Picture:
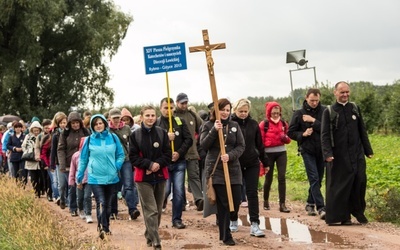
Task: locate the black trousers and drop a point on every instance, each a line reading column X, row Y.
column 224, row 215
column 280, row 158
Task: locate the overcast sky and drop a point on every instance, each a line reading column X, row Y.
column 357, row 40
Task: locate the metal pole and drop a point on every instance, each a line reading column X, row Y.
column 291, row 85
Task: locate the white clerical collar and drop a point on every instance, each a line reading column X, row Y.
column 344, row 104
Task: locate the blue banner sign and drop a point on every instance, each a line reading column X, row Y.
column 163, row 58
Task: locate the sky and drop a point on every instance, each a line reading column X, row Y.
column 357, row 40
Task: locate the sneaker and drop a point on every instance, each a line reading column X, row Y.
column 82, row 214
column 244, row 204
column 322, row 213
column 255, row 230
column 310, row 209
column 89, row 219
column 234, row 226
column 58, row 201
column 134, row 214
column 119, row 195
column 74, row 213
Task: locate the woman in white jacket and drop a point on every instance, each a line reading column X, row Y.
column 33, row 166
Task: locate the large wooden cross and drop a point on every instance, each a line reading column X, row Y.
column 208, row 48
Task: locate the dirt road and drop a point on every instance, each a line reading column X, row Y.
column 294, row 230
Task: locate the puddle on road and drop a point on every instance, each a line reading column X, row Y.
column 295, row 231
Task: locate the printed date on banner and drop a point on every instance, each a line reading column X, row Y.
column 165, row 58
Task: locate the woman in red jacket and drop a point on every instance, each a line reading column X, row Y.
column 274, row 136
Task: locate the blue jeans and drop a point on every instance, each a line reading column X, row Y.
column 129, row 191
column 67, row 193
column 54, row 182
column 177, row 181
column 315, row 173
column 84, row 199
column 103, row 195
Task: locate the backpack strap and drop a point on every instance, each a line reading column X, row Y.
column 332, row 116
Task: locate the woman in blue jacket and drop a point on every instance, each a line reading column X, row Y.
column 103, row 155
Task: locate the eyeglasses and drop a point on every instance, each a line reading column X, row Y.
column 275, row 113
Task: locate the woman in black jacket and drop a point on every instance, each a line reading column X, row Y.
column 250, row 162
column 234, row 146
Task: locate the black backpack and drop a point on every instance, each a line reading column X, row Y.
column 266, row 125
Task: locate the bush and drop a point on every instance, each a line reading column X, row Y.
column 384, row 207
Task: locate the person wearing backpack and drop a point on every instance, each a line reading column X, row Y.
column 150, row 154
column 345, row 145
column 305, row 128
column 182, row 140
column 103, row 155
column 194, row 122
column 274, row 135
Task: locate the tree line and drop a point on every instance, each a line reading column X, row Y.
column 53, row 57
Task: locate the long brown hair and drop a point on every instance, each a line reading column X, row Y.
column 221, row 104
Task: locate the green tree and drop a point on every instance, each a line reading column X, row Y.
column 364, row 95
column 394, row 110
column 52, row 54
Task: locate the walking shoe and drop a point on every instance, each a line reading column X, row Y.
column 283, row 208
column 102, row 234
column 119, row 195
column 255, row 230
column 157, row 247
column 244, row 204
column 200, row 205
column 82, row 214
column 89, row 219
column 361, row 218
column 311, row 210
column 74, row 213
column 149, row 243
column 229, row 242
column 134, row 214
column 322, row 213
column 266, row 205
column 178, row 225
column 58, row 201
column 49, row 198
column 62, row 205
column 234, row 226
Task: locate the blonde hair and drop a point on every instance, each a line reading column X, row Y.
column 241, row 103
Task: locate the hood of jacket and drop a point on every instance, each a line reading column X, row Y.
column 268, row 108
column 126, row 112
column 74, row 116
column 106, row 126
column 35, row 124
column 35, row 118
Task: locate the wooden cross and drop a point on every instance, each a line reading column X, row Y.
column 208, row 48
